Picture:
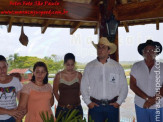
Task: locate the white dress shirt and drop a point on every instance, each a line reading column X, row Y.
column 104, row 81
column 147, row 81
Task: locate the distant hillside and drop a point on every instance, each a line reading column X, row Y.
column 127, row 62
column 161, row 60
column 132, row 62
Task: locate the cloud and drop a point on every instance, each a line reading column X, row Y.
column 59, row 41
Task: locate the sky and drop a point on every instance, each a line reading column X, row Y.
column 58, row 41
column 128, row 42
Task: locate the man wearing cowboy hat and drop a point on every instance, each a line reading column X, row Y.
column 104, row 86
column 146, row 81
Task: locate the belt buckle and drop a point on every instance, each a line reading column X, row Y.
column 104, row 102
column 69, row 106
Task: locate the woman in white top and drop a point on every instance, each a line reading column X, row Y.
column 9, row 90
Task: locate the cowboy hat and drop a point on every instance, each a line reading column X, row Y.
column 150, row 43
column 106, row 42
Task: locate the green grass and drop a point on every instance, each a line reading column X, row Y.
column 51, row 82
column 128, row 81
column 25, row 82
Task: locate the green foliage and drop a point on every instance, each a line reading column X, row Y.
column 16, row 61
column 51, row 82
column 127, row 66
column 90, row 119
column 71, row 116
column 128, row 81
column 45, row 117
column 80, row 65
column 53, row 63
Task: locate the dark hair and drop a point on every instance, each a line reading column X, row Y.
column 2, row 58
column 40, row 64
column 69, row 56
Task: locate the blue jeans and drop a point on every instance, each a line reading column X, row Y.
column 148, row 115
column 102, row 113
column 12, row 119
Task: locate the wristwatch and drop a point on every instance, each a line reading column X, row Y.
column 146, row 98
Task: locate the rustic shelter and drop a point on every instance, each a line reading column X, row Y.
column 76, row 14
column 26, row 74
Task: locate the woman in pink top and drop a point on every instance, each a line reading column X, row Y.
column 37, row 95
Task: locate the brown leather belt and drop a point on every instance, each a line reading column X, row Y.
column 69, row 106
column 104, row 101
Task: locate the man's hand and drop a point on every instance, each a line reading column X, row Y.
column 147, row 104
column 151, row 101
column 116, row 105
column 92, row 105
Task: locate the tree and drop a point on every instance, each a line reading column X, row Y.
column 15, row 56
column 54, row 57
column 17, row 61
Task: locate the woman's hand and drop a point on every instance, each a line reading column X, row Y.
column 15, row 113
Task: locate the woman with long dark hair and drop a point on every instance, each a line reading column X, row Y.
column 66, row 87
column 37, row 95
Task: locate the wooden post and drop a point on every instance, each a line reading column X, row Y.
column 103, row 16
column 115, row 56
column 105, row 12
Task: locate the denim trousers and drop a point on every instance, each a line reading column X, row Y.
column 11, row 119
column 148, row 115
column 102, row 113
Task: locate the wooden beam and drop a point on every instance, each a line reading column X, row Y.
column 142, row 22
column 95, row 2
column 75, row 26
column 135, row 0
column 111, row 5
column 63, row 23
column 9, row 26
column 118, row 2
column 43, row 29
column 124, row 1
column 97, row 28
column 65, row 11
column 126, row 26
column 139, row 10
column 157, row 24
